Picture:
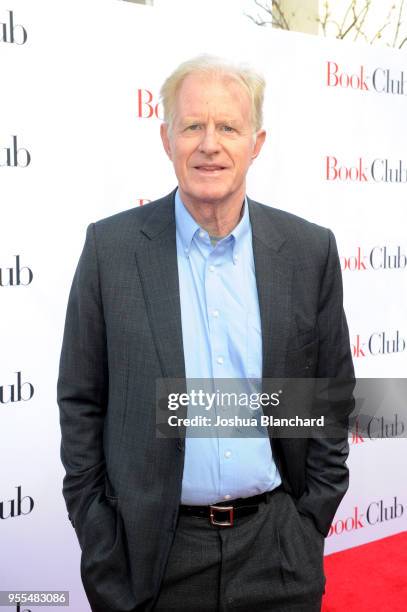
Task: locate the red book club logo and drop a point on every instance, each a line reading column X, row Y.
column 380, row 257
column 15, row 275
column 148, row 106
column 361, row 170
column 377, row 512
column 17, row 506
column 379, row 343
column 14, row 156
column 11, row 32
column 380, row 79
column 18, row 391
column 378, row 428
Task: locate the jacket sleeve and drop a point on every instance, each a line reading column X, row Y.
column 82, row 389
column 327, row 476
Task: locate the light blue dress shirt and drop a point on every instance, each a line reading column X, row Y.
column 221, row 339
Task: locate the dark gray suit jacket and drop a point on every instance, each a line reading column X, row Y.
column 123, row 331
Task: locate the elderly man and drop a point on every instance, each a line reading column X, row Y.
column 203, row 283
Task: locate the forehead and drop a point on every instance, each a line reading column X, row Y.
column 201, row 93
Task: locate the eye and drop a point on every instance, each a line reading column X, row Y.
column 227, row 128
column 194, row 127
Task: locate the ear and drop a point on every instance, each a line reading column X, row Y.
column 164, row 128
column 258, row 143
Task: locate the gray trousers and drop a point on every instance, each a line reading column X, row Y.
column 271, row 560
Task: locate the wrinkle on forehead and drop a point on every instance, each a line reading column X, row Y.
column 202, row 95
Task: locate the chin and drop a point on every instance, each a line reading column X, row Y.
column 208, row 195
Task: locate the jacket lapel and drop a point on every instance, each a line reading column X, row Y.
column 274, row 279
column 156, row 256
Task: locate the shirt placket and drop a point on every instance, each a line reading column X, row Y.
column 216, row 265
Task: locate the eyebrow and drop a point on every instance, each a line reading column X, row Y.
column 192, row 120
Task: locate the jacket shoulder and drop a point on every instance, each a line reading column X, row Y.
column 287, row 221
column 134, row 217
column 296, row 235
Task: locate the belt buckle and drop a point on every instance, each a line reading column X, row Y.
column 213, row 509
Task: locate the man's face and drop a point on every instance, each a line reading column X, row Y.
column 211, row 142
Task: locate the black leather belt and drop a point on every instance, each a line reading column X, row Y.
column 223, row 514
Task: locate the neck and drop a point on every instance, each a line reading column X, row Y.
column 218, row 218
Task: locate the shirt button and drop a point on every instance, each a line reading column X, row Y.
column 227, row 496
column 215, row 313
column 220, row 360
column 228, row 454
column 211, row 268
column 202, row 234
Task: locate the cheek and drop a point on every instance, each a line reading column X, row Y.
column 181, row 156
column 243, row 161
column 242, row 156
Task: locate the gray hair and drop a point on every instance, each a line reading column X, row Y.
column 210, row 65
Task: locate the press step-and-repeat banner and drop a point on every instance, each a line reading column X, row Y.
column 79, row 140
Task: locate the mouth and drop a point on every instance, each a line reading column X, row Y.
column 210, row 169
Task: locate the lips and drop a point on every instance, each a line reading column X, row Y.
column 206, row 168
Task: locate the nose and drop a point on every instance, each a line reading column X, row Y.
column 209, row 144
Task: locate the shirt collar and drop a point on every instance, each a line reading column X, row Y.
column 243, row 227
column 185, row 223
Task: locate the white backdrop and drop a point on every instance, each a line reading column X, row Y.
column 72, row 77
